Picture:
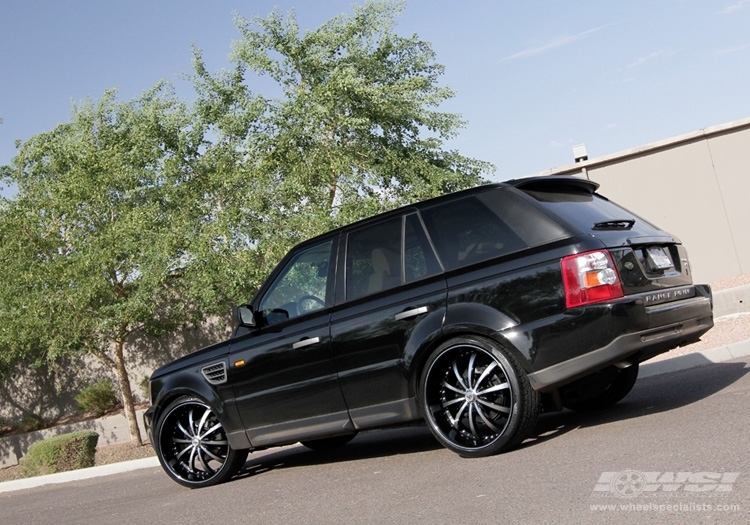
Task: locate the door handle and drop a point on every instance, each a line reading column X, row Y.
column 306, row 342
column 411, row 313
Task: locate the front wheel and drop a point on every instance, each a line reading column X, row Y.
column 476, row 398
column 193, row 447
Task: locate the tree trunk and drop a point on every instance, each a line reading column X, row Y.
column 127, row 395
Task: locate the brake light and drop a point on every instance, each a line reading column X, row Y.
column 590, row 278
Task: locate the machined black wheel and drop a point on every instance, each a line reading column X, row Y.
column 193, row 447
column 476, row 398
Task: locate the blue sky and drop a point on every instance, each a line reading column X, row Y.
column 533, row 78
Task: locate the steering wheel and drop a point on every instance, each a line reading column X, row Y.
column 310, row 303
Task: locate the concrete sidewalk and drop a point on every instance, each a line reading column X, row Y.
column 683, row 362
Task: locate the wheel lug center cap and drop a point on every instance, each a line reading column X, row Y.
column 470, row 396
column 196, row 441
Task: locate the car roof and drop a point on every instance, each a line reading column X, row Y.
column 546, row 183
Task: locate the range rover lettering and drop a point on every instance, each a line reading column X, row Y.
column 472, row 311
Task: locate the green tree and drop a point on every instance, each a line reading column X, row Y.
column 146, row 215
column 350, row 127
column 91, row 244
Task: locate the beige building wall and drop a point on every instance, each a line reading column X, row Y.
column 696, row 186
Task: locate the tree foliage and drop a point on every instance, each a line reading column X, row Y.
column 90, row 243
column 351, row 127
column 142, row 216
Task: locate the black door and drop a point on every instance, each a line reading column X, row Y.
column 394, row 300
column 284, row 377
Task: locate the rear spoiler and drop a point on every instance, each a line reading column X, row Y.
column 554, row 181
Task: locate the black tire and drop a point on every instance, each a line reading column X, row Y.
column 192, row 445
column 330, row 443
column 603, row 390
column 476, row 398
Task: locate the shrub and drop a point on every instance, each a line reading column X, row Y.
column 144, row 387
column 98, row 398
column 60, row 453
column 30, row 423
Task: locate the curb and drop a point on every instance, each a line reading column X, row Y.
column 80, row 474
column 111, row 429
column 696, row 359
column 683, row 362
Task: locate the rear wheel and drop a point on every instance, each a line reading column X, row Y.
column 193, row 447
column 476, row 398
column 601, row 390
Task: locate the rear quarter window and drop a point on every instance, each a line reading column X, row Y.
column 590, row 212
column 486, row 225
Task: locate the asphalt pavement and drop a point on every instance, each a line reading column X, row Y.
column 649, row 369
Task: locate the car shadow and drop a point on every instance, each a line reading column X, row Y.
column 367, row 445
column 650, row 395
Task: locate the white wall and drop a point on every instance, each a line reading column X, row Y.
column 696, row 186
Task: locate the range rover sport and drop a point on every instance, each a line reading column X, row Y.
column 472, row 311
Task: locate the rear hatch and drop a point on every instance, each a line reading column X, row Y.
column 647, row 258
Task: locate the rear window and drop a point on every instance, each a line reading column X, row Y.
column 490, row 224
column 591, row 212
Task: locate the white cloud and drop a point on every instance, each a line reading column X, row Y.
column 730, row 50
column 651, row 56
column 742, row 4
column 553, row 44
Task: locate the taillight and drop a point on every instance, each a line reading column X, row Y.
column 590, row 278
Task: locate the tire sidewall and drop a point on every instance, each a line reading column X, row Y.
column 510, row 369
column 226, row 471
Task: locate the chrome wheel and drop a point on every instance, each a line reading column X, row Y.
column 476, row 400
column 193, row 447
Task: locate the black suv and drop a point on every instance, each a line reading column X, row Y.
column 473, row 311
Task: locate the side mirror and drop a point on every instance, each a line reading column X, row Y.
column 245, row 315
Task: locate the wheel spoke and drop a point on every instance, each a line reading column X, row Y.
column 471, row 421
column 185, row 432
column 182, row 452
column 454, row 401
column 458, row 376
column 453, row 388
column 211, row 430
column 203, row 420
column 461, row 410
column 191, row 424
column 191, row 460
column 211, row 455
column 493, row 406
column 219, row 443
column 485, row 374
column 486, row 420
column 470, row 370
column 503, row 386
column 202, row 463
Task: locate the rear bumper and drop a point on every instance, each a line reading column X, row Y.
column 663, row 327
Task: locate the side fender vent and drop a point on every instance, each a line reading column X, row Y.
column 216, row 373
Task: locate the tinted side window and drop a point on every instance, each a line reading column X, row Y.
column 419, row 258
column 490, row 224
column 301, row 287
column 373, row 259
